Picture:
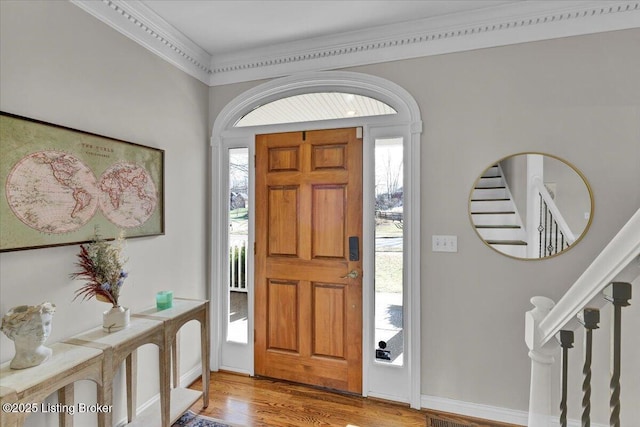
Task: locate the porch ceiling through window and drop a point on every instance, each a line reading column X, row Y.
column 310, row 107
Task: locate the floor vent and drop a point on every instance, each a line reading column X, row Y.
column 435, row 422
column 444, row 419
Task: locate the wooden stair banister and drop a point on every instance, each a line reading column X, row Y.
column 618, row 261
column 608, row 278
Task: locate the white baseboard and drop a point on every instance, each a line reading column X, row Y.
column 485, row 412
column 185, row 381
column 476, row 410
column 189, row 377
column 235, row 370
column 389, row 397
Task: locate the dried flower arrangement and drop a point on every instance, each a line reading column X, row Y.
column 101, row 265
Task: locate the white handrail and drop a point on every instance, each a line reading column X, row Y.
column 619, row 261
column 620, row 255
column 557, row 216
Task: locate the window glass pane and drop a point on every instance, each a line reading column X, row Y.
column 310, row 107
column 237, row 327
column 389, row 247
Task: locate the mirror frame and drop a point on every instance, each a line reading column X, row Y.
column 570, row 165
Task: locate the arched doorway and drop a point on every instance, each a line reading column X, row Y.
column 399, row 381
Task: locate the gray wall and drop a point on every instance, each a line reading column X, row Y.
column 571, row 195
column 577, row 98
column 515, row 174
column 61, row 65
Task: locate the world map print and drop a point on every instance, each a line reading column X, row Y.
column 54, row 192
column 127, row 195
column 60, row 186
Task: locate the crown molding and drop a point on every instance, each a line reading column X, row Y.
column 498, row 26
column 141, row 24
column 520, row 22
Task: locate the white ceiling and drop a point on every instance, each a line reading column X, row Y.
column 221, row 27
column 310, row 107
column 221, row 42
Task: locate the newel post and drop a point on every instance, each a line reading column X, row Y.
column 541, row 363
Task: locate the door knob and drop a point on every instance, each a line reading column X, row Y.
column 353, row 274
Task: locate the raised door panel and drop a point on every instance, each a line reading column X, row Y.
column 329, row 157
column 329, row 320
column 284, row 159
column 283, row 221
column 283, row 315
column 328, row 231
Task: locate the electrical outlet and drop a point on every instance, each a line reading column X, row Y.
column 444, row 243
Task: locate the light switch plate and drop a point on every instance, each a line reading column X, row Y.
column 444, row 243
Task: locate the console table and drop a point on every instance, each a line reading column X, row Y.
column 123, row 344
column 184, row 310
column 96, row 355
column 26, row 389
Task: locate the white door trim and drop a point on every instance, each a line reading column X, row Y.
column 408, row 118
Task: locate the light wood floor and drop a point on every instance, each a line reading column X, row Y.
column 263, row 402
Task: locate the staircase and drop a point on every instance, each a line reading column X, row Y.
column 550, row 328
column 495, row 216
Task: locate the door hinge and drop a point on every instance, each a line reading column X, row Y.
column 254, row 248
column 359, row 132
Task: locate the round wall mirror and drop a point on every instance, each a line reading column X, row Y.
column 531, row 206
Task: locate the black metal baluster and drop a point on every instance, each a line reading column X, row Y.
column 540, row 229
column 552, row 222
column 619, row 294
column 555, row 242
column 546, row 227
column 565, row 338
column 589, row 317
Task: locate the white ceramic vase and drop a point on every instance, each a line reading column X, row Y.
column 115, row 319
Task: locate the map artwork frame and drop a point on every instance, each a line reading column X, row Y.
column 60, row 185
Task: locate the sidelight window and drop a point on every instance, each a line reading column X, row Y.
column 238, row 219
column 389, row 251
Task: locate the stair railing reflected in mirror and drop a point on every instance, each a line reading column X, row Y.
column 531, row 206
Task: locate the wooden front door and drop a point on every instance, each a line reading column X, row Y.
column 308, row 311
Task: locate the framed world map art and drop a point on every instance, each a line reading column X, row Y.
column 59, row 184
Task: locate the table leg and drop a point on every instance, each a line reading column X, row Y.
column 9, row 419
column 132, row 384
column 175, row 360
column 105, row 397
column 65, row 399
column 165, row 383
column 204, row 349
column 100, row 396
